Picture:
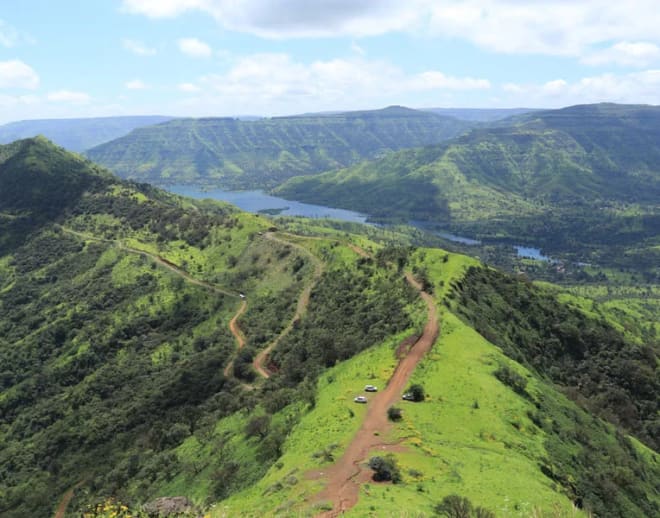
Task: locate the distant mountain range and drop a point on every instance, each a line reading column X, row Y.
column 480, row 114
column 77, row 134
column 557, row 177
column 265, row 152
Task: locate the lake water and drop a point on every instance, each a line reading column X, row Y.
column 526, row 252
column 531, row 253
column 258, row 201
column 458, row 239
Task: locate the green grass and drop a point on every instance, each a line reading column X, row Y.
column 631, row 309
column 336, row 416
column 443, row 267
column 489, row 454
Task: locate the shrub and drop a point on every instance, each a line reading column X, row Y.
column 394, row 413
column 455, row 506
column 417, row 392
column 258, row 426
column 511, row 379
column 385, row 468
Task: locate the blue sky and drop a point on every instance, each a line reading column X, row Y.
column 75, row 58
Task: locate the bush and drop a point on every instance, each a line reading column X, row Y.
column 385, row 468
column 394, row 413
column 258, row 426
column 455, row 506
column 417, row 392
column 511, row 379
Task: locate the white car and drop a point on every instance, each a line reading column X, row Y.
column 370, row 388
column 360, row 399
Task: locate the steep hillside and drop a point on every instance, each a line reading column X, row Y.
column 571, row 179
column 77, row 134
column 491, row 433
column 265, row 152
column 132, row 327
column 122, row 333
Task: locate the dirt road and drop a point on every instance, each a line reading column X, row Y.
column 233, row 324
column 64, row 503
column 238, row 336
column 259, row 362
column 345, row 476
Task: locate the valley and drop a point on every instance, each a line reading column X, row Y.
column 376, row 260
column 206, row 352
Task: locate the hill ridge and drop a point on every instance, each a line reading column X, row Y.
column 264, row 152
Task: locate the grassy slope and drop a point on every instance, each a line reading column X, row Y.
column 224, row 459
column 488, row 454
column 219, row 451
column 454, row 447
column 474, row 436
column 109, row 335
column 128, row 354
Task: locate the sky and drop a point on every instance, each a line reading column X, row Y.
column 81, row 58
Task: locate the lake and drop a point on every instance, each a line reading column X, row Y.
column 260, row 202
column 531, row 253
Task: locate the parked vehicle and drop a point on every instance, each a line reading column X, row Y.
column 370, row 388
column 360, row 399
column 408, row 397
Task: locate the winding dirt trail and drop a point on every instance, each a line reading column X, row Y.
column 346, row 475
column 161, row 261
column 64, row 503
column 259, row 362
column 238, row 336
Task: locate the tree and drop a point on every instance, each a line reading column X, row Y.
column 385, row 468
column 455, row 506
column 258, row 426
column 394, row 413
column 417, row 392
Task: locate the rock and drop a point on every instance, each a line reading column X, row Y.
column 169, row 506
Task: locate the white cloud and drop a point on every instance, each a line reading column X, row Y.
column 554, row 27
column 68, row 96
column 162, row 8
column 438, row 80
column 137, row 47
column 551, row 27
column 276, row 84
column 625, row 53
column 636, row 87
column 16, row 74
column 135, row 84
column 194, row 48
column 292, row 18
column 189, row 88
column 11, row 101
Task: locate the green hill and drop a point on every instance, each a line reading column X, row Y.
column 565, row 180
column 263, row 153
column 480, row 114
column 130, row 326
column 77, row 134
